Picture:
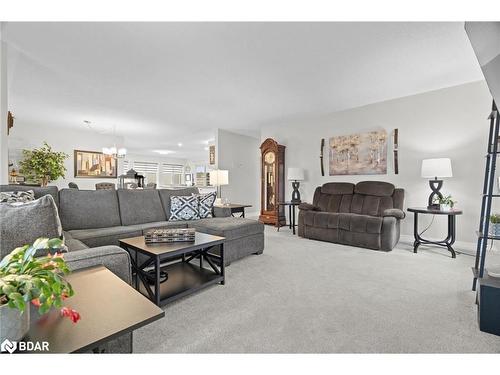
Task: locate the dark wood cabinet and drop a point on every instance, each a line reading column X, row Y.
column 272, row 182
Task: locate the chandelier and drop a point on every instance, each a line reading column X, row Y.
column 113, row 150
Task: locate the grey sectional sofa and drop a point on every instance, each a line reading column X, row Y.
column 92, row 218
column 93, row 222
column 367, row 214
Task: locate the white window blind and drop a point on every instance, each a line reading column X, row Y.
column 171, row 174
column 148, row 169
column 143, row 167
column 172, row 168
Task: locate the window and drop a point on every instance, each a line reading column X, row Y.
column 126, row 166
column 147, row 169
column 171, row 174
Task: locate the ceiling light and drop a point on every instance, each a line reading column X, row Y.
column 179, row 144
column 113, row 151
column 164, row 152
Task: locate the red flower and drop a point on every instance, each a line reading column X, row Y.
column 70, row 313
column 36, row 302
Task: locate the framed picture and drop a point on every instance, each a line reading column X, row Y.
column 211, row 155
column 360, row 153
column 93, row 164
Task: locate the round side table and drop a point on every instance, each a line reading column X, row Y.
column 450, row 238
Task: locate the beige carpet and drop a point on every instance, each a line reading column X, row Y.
column 304, row 296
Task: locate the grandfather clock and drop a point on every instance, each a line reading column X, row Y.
column 272, row 182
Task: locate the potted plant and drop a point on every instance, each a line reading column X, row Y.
column 445, row 203
column 43, row 165
column 25, row 278
column 495, row 225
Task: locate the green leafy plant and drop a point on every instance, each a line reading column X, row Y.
column 43, row 164
column 447, row 200
column 25, row 278
column 495, row 219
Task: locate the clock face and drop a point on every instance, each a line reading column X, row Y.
column 269, row 158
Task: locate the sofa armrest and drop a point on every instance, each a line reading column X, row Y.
column 308, row 207
column 394, row 212
column 221, row 211
column 112, row 257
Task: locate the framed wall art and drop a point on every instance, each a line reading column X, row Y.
column 93, row 164
column 359, row 153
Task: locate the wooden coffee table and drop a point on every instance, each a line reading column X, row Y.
column 108, row 307
column 176, row 261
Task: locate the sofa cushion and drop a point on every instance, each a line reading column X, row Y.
column 140, row 206
column 87, row 209
column 360, row 223
column 165, row 195
column 337, row 188
column 22, row 224
column 229, row 227
column 104, row 236
column 17, row 196
column 206, row 204
column 39, row 191
column 74, row 245
column 184, row 208
column 321, row 219
column 370, row 204
column 377, row 188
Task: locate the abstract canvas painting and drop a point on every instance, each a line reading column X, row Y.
column 360, row 153
column 92, row 164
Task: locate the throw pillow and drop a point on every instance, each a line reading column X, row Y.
column 206, row 204
column 17, row 196
column 23, row 224
column 183, row 208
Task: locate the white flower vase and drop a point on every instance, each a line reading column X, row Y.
column 445, row 207
column 13, row 325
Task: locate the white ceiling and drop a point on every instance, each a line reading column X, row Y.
column 165, row 83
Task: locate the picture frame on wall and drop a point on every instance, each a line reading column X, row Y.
column 94, row 164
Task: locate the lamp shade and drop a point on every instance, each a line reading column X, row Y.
column 219, row 177
column 440, row 167
column 295, row 174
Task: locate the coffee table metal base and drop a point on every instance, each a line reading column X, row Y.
column 184, row 276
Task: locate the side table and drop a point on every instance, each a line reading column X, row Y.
column 235, row 208
column 291, row 215
column 450, row 238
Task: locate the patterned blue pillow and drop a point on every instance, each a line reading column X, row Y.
column 206, row 204
column 184, row 208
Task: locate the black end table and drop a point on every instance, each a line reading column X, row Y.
column 450, row 238
column 291, row 215
column 235, row 208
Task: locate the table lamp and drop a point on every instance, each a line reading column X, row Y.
column 436, row 168
column 218, row 178
column 295, row 175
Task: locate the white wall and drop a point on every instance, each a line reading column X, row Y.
column 240, row 155
column 29, row 136
column 445, row 123
column 4, row 170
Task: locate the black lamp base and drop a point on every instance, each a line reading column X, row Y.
column 295, row 193
column 435, row 185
